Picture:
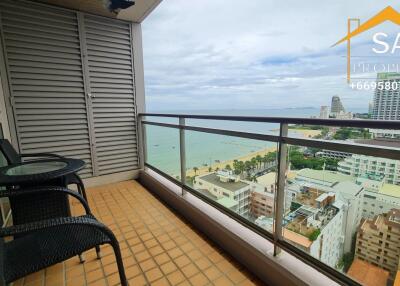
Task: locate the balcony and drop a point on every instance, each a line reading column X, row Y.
column 158, row 246
column 181, row 217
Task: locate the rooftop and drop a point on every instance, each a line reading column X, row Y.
column 267, row 180
column 391, row 218
column 230, row 186
column 390, row 190
column 158, row 247
column 347, row 187
column 297, row 238
column 368, row 274
column 324, row 176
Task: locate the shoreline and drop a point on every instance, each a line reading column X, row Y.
column 306, row 133
column 204, row 169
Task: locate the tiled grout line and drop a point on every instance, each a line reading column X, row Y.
column 116, row 222
column 158, row 244
column 179, row 247
column 138, row 263
column 215, row 248
column 199, row 236
column 101, row 261
column 136, row 215
column 141, row 241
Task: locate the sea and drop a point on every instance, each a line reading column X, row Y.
column 203, row 149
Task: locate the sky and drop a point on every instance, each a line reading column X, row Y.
column 258, row 54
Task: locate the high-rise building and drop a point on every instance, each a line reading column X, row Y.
column 370, row 107
column 378, row 241
column 336, row 106
column 324, row 112
column 387, row 99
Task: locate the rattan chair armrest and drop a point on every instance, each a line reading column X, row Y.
column 85, row 221
column 46, row 189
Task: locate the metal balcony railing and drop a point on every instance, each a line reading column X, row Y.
column 283, row 139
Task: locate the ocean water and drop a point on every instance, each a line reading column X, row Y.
column 205, row 149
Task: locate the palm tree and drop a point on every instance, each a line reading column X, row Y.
column 259, row 160
column 210, row 169
column 247, row 167
column 264, row 160
column 254, row 163
column 228, row 167
column 195, row 169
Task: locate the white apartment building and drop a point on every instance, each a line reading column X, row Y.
column 378, row 197
column 332, row 154
column 227, row 189
column 362, row 165
column 385, row 133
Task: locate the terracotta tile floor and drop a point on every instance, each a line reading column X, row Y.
column 158, row 247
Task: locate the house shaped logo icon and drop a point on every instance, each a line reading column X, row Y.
column 387, row 14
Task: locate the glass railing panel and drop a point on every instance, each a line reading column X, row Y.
column 341, row 210
column 236, row 173
column 162, row 149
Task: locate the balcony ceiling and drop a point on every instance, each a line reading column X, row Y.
column 136, row 13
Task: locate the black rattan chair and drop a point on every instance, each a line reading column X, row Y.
column 13, row 157
column 44, row 243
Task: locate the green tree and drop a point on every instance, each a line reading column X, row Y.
column 314, row 235
column 228, row 167
column 210, row 169
column 195, row 169
column 248, row 166
column 238, row 167
column 259, row 160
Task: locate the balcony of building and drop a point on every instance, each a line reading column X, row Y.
column 158, row 246
column 72, row 83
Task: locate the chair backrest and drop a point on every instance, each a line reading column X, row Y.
column 9, row 153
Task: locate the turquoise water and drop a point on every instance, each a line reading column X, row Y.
column 204, row 149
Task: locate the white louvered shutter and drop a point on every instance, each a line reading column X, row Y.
column 42, row 49
column 111, row 84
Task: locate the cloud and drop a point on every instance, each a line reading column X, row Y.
column 204, row 54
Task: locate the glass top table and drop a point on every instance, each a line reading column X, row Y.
column 38, row 171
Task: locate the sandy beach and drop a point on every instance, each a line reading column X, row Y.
column 204, row 169
column 306, row 133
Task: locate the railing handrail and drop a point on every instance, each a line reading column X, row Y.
column 360, row 123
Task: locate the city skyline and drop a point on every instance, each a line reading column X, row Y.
column 230, row 64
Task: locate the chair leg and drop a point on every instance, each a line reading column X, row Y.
column 81, row 187
column 98, row 253
column 81, row 258
column 120, row 263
